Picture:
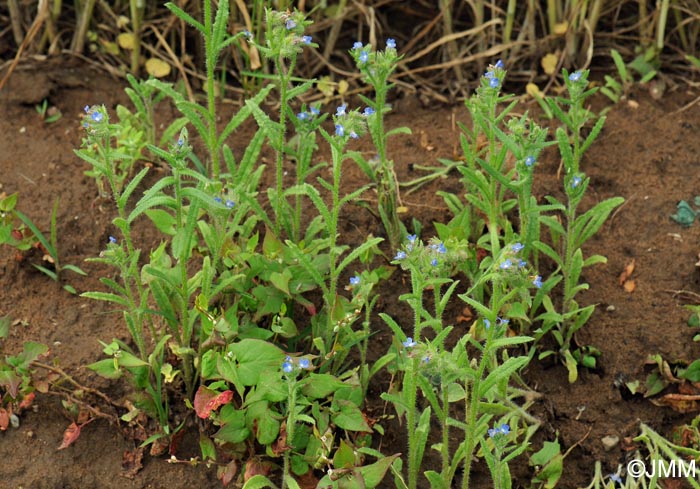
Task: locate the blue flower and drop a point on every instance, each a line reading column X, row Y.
column 303, row 116
column 615, row 478
column 434, row 262
column 339, row 130
column 340, row 111
column 288, row 366
column 499, row 64
column 230, row 204
column 364, row 56
column 489, row 74
column 314, row 110
column 86, row 109
column 353, row 135
column 500, row 321
column 368, row 111
column 575, row 76
column 517, row 247
column 493, row 432
column 290, row 24
column 113, row 240
column 441, row 249
column 411, row 238
column 494, row 82
column 504, row 429
column 304, row 363
column 506, row 264
column 529, row 161
column 217, row 199
column 306, row 39
column 521, row 263
column 355, row 280
column 357, row 45
column 180, row 142
column 537, row 281
column 487, row 323
column 97, row 116
column 390, row 43
column 400, row 255
column 409, row 343
column 576, row 181
column 247, row 34
column 426, row 359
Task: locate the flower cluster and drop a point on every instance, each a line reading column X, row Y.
column 498, row 431
column 434, row 254
column 228, row 203
column 286, row 37
column 512, row 263
column 95, row 118
column 352, row 124
column 289, row 364
column 495, row 74
column 376, row 65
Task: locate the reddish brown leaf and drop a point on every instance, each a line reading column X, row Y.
column 208, row 400
column 629, row 286
column 70, row 435
column 27, row 401
column 280, row 445
column 175, row 440
column 132, row 462
column 4, row 419
column 679, row 402
column 308, row 480
column 227, row 473
column 256, row 467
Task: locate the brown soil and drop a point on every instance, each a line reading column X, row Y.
column 648, row 154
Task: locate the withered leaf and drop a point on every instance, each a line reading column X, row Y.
column 680, row 403
column 70, row 435
column 627, row 272
column 132, row 462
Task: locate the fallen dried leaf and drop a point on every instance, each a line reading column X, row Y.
column 227, row 473
column 70, row 435
column 680, row 403
column 629, row 286
column 208, row 400
column 132, row 462
column 4, row 419
column 627, row 272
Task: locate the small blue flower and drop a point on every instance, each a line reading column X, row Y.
column 288, row 366
column 353, row 135
column 229, row 204
column 537, row 281
column 426, row 359
column 494, row 82
column 487, row 323
column 615, row 478
column 290, row 24
column 411, row 238
column 315, row 110
column 339, row 130
column 575, row 76
column 441, row 249
column 499, row 64
column 493, row 432
column 306, row 40
column 304, row 363
column 434, row 262
column 506, row 264
column 504, row 429
column 364, row 56
column 368, row 111
column 576, row 181
column 180, row 142
column 303, row 116
column 529, row 161
column 357, row 45
column 247, row 34
column 86, row 109
column 517, row 247
column 355, row 280
column 522, row 263
column 500, row 321
column 409, row 343
column 97, row 116
column 113, row 240
column 340, row 111
column 390, row 43
column 400, row 255
column 489, row 74
column 218, row 200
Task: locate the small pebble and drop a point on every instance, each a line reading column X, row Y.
column 14, row 421
column 610, row 308
column 610, row 442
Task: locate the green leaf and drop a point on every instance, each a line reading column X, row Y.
column 253, row 356
column 571, row 366
column 502, row 372
column 319, row 386
column 163, row 220
column 185, row 16
column 373, row 474
column 344, row 457
column 692, row 373
column 258, row 482
column 106, row 368
column 349, row 417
